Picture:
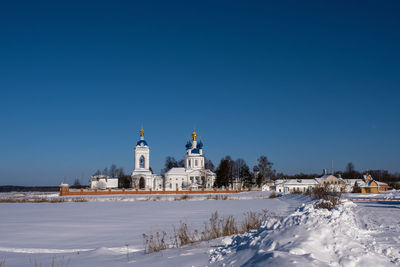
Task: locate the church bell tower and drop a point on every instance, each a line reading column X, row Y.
column 142, row 154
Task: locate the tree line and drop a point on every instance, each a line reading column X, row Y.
column 230, row 171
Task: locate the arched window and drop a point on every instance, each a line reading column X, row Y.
column 141, row 162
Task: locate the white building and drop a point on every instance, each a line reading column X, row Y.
column 294, row 185
column 142, row 176
column 103, row 182
column 194, row 175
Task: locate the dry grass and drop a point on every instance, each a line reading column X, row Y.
column 252, row 220
column 55, row 262
column 42, row 200
column 215, row 227
column 273, row 195
column 183, row 197
column 183, row 236
column 154, row 243
column 217, row 197
column 157, row 198
column 80, row 199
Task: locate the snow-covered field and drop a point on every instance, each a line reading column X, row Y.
column 107, row 231
column 54, row 196
column 388, row 195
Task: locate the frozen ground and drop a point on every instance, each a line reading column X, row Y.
column 388, row 195
column 101, row 232
column 54, row 196
column 108, row 232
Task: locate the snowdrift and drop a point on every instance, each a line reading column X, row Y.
column 308, row 237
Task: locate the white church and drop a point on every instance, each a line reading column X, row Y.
column 192, row 176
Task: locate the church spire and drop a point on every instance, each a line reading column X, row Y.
column 141, row 134
column 194, row 135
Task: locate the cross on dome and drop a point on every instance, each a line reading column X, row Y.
column 194, row 135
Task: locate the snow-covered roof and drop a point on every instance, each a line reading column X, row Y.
column 301, row 182
column 324, row 177
column 352, row 182
column 296, row 182
column 177, row 170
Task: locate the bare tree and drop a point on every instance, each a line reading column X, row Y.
column 209, row 165
column 77, row 183
column 238, row 166
column 265, row 169
column 113, row 170
column 350, row 167
column 170, row 162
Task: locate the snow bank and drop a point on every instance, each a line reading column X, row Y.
column 307, row 237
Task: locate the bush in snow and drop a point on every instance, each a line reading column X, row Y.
column 329, row 196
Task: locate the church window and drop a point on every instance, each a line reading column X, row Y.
column 141, row 162
column 176, row 186
column 195, row 162
column 170, row 185
column 189, row 162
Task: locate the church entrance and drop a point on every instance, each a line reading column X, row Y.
column 142, row 183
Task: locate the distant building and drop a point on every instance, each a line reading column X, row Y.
column 294, row 185
column 332, row 182
column 373, row 187
column 103, row 182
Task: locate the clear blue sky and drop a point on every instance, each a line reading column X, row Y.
column 302, row 82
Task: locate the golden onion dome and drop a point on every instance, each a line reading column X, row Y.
column 194, row 135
